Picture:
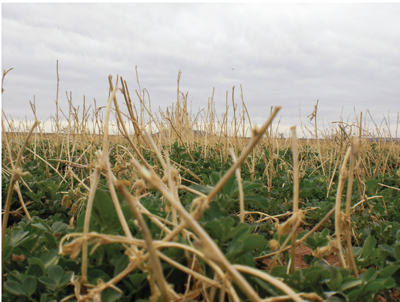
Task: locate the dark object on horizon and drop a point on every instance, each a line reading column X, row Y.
column 384, row 139
column 196, row 132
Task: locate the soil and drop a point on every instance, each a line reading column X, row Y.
column 302, row 250
column 394, row 294
column 332, row 259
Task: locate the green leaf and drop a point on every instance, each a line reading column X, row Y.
column 241, row 229
column 50, row 283
column 350, row 284
column 213, row 212
column 110, row 295
column 259, row 200
column 44, row 298
column 248, row 260
column 122, row 263
column 215, row 229
column 333, row 299
column 16, row 276
column 311, row 279
column 137, row 278
column 65, row 279
column 94, row 275
column 14, row 288
column 388, row 271
column 36, row 267
column 354, row 295
column 336, row 278
column 297, row 279
column 205, row 179
column 104, row 212
column 59, row 227
column 7, row 252
column 254, row 241
column 325, row 233
column 214, row 178
column 235, row 248
column 29, row 285
column 18, row 237
column 389, row 283
column 248, row 186
column 170, row 252
column 397, row 251
column 56, row 273
column 50, row 258
column 264, row 285
column 279, row 271
column 229, row 186
column 36, row 197
column 374, row 287
column 51, row 239
column 40, row 224
column 227, row 224
column 202, row 189
column 368, row 247
column 369, row 274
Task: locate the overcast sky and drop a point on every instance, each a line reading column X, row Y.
column 345, row 55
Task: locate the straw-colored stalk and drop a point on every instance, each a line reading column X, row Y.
column 15, row 175
column 209, row 247
column 204, row 202
column 94, row 182
column 257, row 135
column 268, row 278
column 2, row 80
column 125, row 132
column 314, row 116
column 347, row 219
column 154, row 260
column 296, row 190
column 16, row 185
column 343, row 174
column 240, row 185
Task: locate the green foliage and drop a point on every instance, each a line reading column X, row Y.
column 39, row 273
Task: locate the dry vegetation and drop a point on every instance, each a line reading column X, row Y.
column 81, row 151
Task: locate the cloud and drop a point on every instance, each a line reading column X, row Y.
column 345, row 55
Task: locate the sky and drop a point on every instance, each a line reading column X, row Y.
column 346, row 56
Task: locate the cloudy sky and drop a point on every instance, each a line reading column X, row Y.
column 347, row 56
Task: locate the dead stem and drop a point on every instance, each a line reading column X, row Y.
column 16, row 174
column 95, row 180
column 266, row 277
column 296, row 190
column 208, row 245
column 240, row 185
column 257, row 135
column 343, row 174
column 154, row 260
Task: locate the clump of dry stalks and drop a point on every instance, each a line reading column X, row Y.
column 146, row 254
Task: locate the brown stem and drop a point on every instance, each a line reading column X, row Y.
column 16, row 174
column 154, row 260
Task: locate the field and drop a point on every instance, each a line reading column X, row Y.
column 194, row 207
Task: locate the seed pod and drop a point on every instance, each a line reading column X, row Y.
column 73, row 209
column 63, row 200
column 71, row 223
column 274, row 244
column 283, row 229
